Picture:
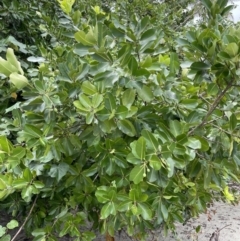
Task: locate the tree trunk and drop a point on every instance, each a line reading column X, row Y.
column 109, row 237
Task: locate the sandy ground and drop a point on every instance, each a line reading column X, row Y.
column 222, row 216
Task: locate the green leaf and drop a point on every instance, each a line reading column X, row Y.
column 27, row 175
column 222, row 3
column 140, row 148
column 110, row 102
column 232, row 49
column 38, row 232
column 20, row 183
column 122, row 112
column 81, row 50
column 136, row 174
column 155, row 162
column 148, row 36
column 134, row 194
column 227, row 10
column 3, row 184
column 12, row 224
column 126, row 127
column 33, row 131
column 229, row 196
column 11, row 58
column 97, row 100
column 108, row 209
column 88, row 88
column 133, row 159
column 3, row 194
column 145, row 93
column 81, row 37
column 59, row 171
column 6, row 238
column 223, row 55
column 212, row 89
column 27, row 193
column 170, row 166
column 207, row 4
column 18, row 80
column 103, row 114
column 147, row 62
column 38, row 184
column 133, row 65
column 175, row 127
column 35, row 59
column 233, row 122
column 66, row 5
column 2, row 230
column 85, row 101
column 89, row 117
column 194, row 143
column 174, row 63
column 80, row 107
column 134, row 210
column 145, row 211
column 5, row 145
column 207, row 176
column 151, row 140
column 200, row 66
column 204, row 143
column 189, row 104
column 128, row 97
column 124, row 206
column 164, row 211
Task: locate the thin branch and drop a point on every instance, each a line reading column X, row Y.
column 26, row 219
column 224, row 227
column 215, row 235
column 229, row 133
column 213, row 107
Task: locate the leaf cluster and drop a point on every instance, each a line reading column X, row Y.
column 117, row 120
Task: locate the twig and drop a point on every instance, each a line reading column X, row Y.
column 213, row 107
column 215, row 235
column 219, row 128
column 26, row 219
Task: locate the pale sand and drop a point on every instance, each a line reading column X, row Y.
column 217, row 217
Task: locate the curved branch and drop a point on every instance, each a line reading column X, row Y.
column 26, row 219
column 213, row 107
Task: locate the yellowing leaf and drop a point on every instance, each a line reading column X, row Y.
column 18, row 80
column 229, row 196
column 66, row 5
column 98, row 10
column 11, row 58
column 6, row 67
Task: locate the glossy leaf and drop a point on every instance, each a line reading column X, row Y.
column 126, row 127
column 232, row 49
column 175, row 128
column 151, row 140
column 145, row 93
column 200, row 66
column 145, row 211
column 155, row 162
column 137, row 174
column 88, row 88
column 107, row 209
column 128, row 97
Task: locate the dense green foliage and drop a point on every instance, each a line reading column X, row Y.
column 116, row 113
